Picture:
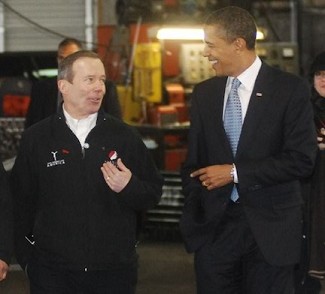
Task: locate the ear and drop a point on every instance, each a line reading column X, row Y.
column 240, row 44
column 63, row 86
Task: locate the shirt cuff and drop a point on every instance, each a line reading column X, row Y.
column 235, row 174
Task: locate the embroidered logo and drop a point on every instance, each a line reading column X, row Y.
column 55, row 160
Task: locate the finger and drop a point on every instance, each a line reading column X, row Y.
column 121, row 165
column 205, row 184
column 203, row 177
column 105, row 166
column 110, row 168
column 197, row 172
column 105, row 174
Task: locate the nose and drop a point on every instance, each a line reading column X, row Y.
column 205, row 51
column 100, row 86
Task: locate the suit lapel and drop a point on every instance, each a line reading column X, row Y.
column 217, row 112
column 217, row 105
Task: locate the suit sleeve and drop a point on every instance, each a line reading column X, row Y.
column 195, row 226
column 25, row 202
column 6, row 218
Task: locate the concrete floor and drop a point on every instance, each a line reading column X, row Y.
column 164, row 267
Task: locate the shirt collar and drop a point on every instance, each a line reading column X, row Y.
column 73, row 123
column 248, row 77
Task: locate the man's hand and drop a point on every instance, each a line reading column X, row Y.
column 3, row 270
column 116, row 177
column 214, row 176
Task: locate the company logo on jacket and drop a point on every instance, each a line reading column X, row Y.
column 55, row 161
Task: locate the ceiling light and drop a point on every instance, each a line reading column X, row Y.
column 180, row 34
column 174, row 33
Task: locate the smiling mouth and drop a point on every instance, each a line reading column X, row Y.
column 95, row 100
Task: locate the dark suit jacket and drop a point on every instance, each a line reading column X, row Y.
column 44, row 101
column 277, row 147
column 6, row 218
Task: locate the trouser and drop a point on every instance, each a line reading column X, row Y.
column 50, row 280
column 232, row 263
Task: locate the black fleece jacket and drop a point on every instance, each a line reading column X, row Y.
column 62, row 199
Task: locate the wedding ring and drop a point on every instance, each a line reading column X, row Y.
column 205, row 184
column 107, row 178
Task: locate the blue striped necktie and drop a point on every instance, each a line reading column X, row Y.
column 233, row 123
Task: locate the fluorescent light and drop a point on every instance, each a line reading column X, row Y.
column 180, row 34
column 191, row 34
column 48, row 72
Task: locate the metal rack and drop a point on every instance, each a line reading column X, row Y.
column 11, row 129
column 162, row 222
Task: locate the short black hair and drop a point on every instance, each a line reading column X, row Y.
column 236, row 23
column 68, row 41
column 318, row 63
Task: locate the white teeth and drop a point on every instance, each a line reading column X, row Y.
column 213, row 61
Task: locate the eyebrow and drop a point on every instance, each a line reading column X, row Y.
column 91, row 76
column 207, row 42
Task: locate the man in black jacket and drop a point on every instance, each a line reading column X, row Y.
column 79, row 181
column 6, row 226
column 46, row 99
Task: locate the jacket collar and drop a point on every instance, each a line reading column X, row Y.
column 102, row 116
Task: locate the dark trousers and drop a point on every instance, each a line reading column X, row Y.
column 232, row 263
column 50, row 280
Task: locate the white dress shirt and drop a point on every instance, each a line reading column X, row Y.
column 81, row 127
column 247, row 79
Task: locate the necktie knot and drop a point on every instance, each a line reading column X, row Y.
column 235, row 84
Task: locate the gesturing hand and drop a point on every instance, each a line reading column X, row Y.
column 214, row 176
column 116, row 177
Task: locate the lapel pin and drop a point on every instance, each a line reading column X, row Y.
column 259, row 94
column 113, row 157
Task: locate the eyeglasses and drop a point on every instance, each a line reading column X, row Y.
column 319, row 74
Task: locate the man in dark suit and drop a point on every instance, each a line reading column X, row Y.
column 247, row 243
column 45, row 97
